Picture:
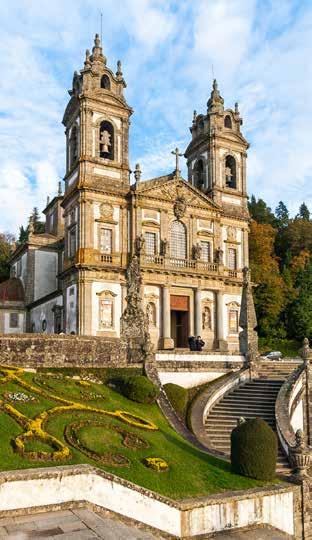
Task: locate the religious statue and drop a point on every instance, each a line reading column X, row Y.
column 197, row 251
column 219, row 256
column 164, row 247
column 105, row 141
column 139, row 245
column 206, row 319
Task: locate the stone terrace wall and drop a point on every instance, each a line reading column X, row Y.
column 34, row 350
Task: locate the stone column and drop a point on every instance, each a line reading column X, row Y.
column 167, row 341
column 221, row 343
column 198, row 312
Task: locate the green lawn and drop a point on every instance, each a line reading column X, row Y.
column 191, row 472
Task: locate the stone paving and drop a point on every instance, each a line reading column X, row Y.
column 83, row 524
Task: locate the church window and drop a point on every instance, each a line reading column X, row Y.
column 233, row 321
column 150, row 243
column 206, row 318
column 13, row 320
column 19, row 268
column 105, row 82
column 178, row 242
column 106, row 313
column 44, row 325
column 228, row 122
column 73, row 146
column 106, row 240
column 230, row 172
column 106, row 140
column 205, row 251
column 232, row 258
column 151, row 313
column 72, row 242
column 199, row 174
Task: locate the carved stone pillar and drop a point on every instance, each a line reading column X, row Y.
column 221, row 342
column 167, row 342
column 198, row 312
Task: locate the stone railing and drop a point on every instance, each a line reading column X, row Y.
column 195, row 266
column 289, row 416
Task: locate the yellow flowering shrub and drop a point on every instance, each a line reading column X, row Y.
column 156, row 463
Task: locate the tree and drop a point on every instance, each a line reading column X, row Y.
column 39, row 226
column 270, row 292
column 260, row 212
column 23, row 235
column 6, row 245
column 300, row 310
column 282, row 215
column 304, row 212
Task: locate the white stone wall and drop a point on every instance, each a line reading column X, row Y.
column 188, row 379
column 275, row 508
column 200, row 357
column 97, row 288
column 45, row 273
column 44, row 313
column 71, row 309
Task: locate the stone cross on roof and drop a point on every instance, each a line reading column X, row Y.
column 177, row 155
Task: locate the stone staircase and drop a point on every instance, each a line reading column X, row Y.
column 254, row 398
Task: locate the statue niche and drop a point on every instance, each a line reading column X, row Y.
column 106, row 140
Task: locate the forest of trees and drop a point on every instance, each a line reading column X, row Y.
column 281, row 266
column 280, row 262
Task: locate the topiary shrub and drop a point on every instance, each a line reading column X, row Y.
column 254, row 449
column 139, row 388
column 178, row 397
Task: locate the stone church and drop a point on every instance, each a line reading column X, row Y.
column 191, row 236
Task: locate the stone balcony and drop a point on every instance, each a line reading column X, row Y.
column 156, row 263
column 189, row 266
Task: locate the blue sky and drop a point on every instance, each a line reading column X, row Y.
column 261, row 55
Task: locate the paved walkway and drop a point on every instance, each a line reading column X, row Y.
column 82, row 524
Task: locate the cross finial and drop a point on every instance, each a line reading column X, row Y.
column 177, row 155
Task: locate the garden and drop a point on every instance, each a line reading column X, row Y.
column 52, row 417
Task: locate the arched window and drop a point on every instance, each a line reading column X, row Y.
column 178, row 242
column 73, row 146
column 199, row 174
column 228, row 122
column 230, row 172
column 106, row 140
column 105, row 82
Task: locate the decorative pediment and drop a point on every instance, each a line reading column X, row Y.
column 106, row 293
column 233, row 305
column 176, row 191
column 151, row 297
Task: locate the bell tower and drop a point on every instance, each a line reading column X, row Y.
column 216, row 155
column 96, row 124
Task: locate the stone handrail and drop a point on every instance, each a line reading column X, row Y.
column 204, row 402
column 284, row 408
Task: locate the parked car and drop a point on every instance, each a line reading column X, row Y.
column 272, row 355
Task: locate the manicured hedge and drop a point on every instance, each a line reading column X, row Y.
column 178, row 397
column 139, row 388
column 254, row 449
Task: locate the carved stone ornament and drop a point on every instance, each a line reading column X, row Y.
column 179, row 207
column 106, row 211
column 134, row 321
column 231, row 234
column 301, row 455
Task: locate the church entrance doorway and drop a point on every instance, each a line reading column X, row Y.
column 179, row 310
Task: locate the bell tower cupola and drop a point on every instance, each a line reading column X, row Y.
column 96, row 124
column 216, row 155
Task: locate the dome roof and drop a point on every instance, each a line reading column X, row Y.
column 12, row 290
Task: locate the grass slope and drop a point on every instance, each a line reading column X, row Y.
column 191, row 473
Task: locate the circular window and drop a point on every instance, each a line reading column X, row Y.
column 44, row 325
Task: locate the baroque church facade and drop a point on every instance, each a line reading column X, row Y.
column 191, row 236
